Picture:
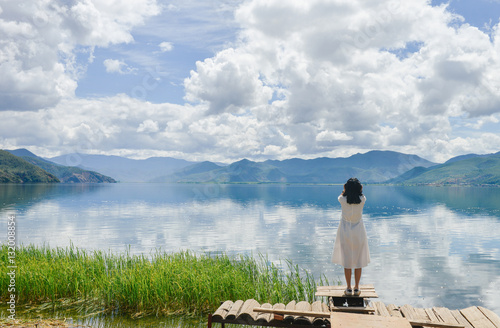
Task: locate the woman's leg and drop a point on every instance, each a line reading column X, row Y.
column 357, row 277
column 348, row 274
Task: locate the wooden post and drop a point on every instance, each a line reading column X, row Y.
column 209, row 324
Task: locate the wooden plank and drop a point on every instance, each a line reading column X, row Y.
column 339, row 287
column 476, row 318
column 490, row 315
column 422, row 315
column 291, row 307
column 409, row 312
column 341, row 293
column 276, row 307
column 350, row 320
column 433, row 316
column 317, row 307
column 264, row 317
column 380, row 309
column 325, row 307
column 394, row 310
column 247, row 313
column 223, row 310
column 444, row 315
column 355, row 309
column 303, row 313
column 303, row 306
column 426, row 323
column 461, row 319
column 235, row 310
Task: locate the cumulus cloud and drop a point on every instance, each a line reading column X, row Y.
column 118, row 66
column 304, row 78
column 40, row 40
column 380, row 74
column 166, row 46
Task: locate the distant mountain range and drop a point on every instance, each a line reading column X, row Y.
column 468, row 169
column 371, row 167
column 65, row 174
column 124, row 169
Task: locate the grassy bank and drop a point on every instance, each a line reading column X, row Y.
column 163, row 283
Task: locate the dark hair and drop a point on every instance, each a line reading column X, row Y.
column 352, row 190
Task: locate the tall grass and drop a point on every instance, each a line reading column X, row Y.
column 163, row 283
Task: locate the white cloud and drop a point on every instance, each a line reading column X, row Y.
column 307, row 79
column 118, row 66
column 40, row 40
column 148, row 126
column 332, row 66
column 166, row 46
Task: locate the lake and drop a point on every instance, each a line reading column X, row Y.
column 430, row 246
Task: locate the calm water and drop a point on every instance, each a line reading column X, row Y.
column 430, row 246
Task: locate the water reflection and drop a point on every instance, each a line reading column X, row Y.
column 111, row 321
column 430, row 246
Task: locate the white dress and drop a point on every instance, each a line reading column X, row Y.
column 351, row 245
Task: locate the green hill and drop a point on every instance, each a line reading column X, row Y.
column 481, row 170
column 17, row 170
column 66, row 174
column 373, row 166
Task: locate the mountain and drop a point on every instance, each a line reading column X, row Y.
column 473, row 170
column 14, row 169
column 65, row 174
column 462, row 157
column 374, row 166
column 192, row 171
column 124, row 169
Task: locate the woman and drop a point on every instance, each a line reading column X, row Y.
column 351, row 245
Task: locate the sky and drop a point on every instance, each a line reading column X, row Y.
column 223, row 80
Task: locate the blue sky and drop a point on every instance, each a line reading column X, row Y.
column 231, row 79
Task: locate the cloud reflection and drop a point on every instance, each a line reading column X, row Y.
column 425, row 251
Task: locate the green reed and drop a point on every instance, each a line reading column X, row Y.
column 161, row 283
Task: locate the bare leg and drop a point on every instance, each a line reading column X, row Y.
column 348, row 274
column 357, row 277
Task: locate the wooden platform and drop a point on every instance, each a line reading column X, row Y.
column 373, row 315
column 305, row 314
column 367, row 291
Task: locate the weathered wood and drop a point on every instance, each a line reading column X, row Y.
column 316, row 314
column 290, row 306
column 421, row 314
column 394, row 310
column 427, row 323
column 380, row 309
column 276, row 307
column 223, row 310
column 490, row 315
column 409, row 312
column 433, row 316
column 264, row 317
column 444, row 315
column 461, row 319
column 317, row 307
column 325, row 307
column 303, row 319
column 339, row 287
column 247, row 313
column 477, row 318
column 235, row 310
column 341, row 293
column 350, row 320
column 354, row 309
